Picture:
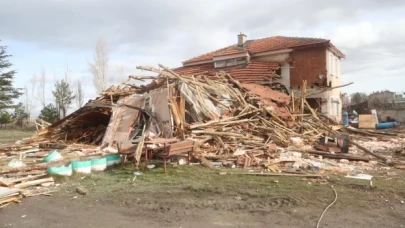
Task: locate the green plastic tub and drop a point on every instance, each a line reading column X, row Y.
column 98, row 164
column 81, row 166
column 54, row 156
column 61, row 170
column 113, row 159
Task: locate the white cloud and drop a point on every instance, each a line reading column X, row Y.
column 356, row 35
column 49, row 33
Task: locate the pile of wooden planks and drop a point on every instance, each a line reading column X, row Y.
column 14, row 186
column 30, row 177
column 242, row 123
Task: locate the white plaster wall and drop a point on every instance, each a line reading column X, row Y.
column 273, row 57
column 335, row 78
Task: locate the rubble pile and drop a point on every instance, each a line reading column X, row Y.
column 229, row 124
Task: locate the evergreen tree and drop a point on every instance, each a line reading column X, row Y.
column 63, row 96
column 5, row 118
column 20, row 114
column 49, row 113
column 7, row 91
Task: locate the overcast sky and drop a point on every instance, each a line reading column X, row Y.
column 53, row 34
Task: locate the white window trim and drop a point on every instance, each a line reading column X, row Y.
column 337, row 64
column 330, row 63
column 335, row 106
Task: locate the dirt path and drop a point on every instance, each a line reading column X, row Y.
column 83, row 212
column 197, row 197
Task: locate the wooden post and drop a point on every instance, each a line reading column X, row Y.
column 303, row 94
column 164, row 163
column 293, row 101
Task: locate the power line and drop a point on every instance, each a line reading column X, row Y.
column 373, row 53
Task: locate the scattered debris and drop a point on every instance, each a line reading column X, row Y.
column 211, row 120
column 362, row 176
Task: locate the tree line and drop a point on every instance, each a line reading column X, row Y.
column 64, row 91
column 63, row 95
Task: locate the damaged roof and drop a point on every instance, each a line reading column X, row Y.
column 273, row 43
column 254, row 71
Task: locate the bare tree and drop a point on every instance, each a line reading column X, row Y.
column 41, row 87
column 29, row 97
column 67, row 73
column 79, row 94
column 358, row 98
column 99, row 67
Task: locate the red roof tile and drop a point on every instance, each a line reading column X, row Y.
column 266, row 93
column 263, row 45
column 252, row 72
column 269, row 97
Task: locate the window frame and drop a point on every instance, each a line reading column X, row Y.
column 336, row 67
column 330, row 63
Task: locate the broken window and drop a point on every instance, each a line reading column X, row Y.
column 241, row 61
column 230, row 62
column 220, row 64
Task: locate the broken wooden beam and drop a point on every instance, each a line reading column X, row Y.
column 385, row 160
column 280, row 174
column 53, row 145
column 33, row 183
column 350, row 157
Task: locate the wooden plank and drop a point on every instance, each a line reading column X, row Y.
column 53, row 145
column 367, row 121
column 350, row 157
column 34, row 182
column 6, row 182
column 23, row 169
column 11, row 199
column 280, row 174
column 29, row 178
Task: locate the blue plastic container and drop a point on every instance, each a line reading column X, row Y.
column 345, row 118
column 386, row 125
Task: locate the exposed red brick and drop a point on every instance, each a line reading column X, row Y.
column 308, row 64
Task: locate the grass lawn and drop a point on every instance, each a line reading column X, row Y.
column 8, row 135
column 197, row 181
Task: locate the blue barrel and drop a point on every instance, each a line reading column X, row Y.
column 386, row 125
column 345, row 118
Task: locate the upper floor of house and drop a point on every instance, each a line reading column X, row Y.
column 288, row 60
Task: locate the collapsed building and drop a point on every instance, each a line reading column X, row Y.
column 228, row 121
column 209, row 119
column 268, row 103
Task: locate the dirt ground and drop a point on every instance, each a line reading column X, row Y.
column 199, row 197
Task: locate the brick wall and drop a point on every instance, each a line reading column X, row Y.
column 309, row 63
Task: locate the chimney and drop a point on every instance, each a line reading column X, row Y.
column 241, row 39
